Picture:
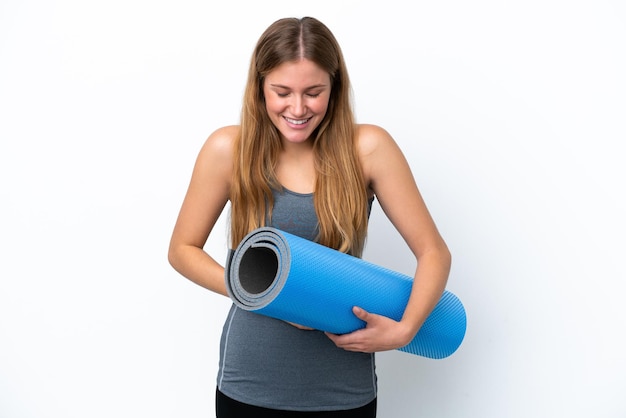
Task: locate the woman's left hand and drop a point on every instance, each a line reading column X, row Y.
column 380, row 334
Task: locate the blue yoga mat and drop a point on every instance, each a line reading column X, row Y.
column 274, row 273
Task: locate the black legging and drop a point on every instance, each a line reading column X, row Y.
column 226, row 407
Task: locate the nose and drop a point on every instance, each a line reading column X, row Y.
column 298, row 106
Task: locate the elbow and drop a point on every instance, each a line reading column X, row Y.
column 446, row 256
column 172, row 256
column 441, row 257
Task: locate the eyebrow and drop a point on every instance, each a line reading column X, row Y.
column 317, row 86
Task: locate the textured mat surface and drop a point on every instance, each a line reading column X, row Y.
column 283, row 276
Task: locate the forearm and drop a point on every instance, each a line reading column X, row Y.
column 429, row 283
column 199, row 267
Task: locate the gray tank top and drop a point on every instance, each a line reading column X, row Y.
column 269, row 363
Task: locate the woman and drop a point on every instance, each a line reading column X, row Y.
column 299, row 162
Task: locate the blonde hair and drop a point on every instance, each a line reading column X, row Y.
column 340, row 195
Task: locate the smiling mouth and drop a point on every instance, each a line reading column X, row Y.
column 297, row 121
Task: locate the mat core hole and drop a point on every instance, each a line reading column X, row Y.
column 257, row 269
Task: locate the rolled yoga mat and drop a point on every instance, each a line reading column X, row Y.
column 281, row 275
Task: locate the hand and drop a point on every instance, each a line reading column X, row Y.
column 380, row 334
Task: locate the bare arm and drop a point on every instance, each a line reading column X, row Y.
column 206, row 197
column 390, row 178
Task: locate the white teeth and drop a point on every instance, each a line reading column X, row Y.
column 297, row 121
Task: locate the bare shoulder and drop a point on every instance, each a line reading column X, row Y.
column 375, row 144
column 215, row 159
column 218, row 148
column 370, row 138
column 221, row 141
column 377, row 151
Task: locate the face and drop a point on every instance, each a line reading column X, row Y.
column 296, row 98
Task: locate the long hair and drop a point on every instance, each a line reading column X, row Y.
column 340, row 195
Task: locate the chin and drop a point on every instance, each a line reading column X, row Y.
column 297, row 137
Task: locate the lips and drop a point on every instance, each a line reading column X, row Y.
column 296, row 121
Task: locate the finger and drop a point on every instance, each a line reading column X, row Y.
column 338, row 340
column 360, row 313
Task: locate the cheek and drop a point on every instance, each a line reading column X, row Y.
column 321, row 108
column 273, row 106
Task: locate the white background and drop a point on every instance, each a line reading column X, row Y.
column 512, row 115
